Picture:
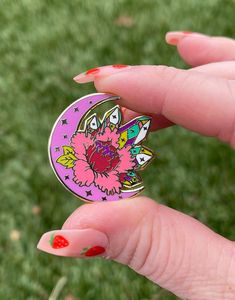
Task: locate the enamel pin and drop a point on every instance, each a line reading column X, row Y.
column 99, row 160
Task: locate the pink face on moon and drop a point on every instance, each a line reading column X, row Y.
column 101, row 160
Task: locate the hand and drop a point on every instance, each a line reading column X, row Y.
column 168, row 247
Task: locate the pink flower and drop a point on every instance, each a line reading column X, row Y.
column 99, row 159
column 108, row 154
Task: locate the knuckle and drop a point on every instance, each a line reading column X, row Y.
column 152, row 252
column 135, row 232
column 178, row 82
column 140, row 256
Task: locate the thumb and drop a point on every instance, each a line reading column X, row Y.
column 171, row 249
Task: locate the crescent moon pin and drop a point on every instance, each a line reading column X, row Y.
column 99, row 159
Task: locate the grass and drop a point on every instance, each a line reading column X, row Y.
column 43, row 45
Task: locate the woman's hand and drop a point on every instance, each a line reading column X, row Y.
column 168, row 247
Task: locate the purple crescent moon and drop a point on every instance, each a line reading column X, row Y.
column 65, row 126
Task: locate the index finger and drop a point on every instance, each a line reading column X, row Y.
column 196, row 101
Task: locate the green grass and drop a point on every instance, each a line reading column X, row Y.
column 43, row 44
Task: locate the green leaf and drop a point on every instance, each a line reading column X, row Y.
column 51, row 239
column 67, row 160
column 68, row 150
column 84, row 250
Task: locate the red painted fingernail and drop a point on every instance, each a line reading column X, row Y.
column 92, row 251
column 173, row 41
column 174, row 37
column 92, row 71
column 99, row 72
column 119, row 66
column 73, row 242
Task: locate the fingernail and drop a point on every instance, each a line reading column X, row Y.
column 173, row 37
column 79, row 243
column 91, row 74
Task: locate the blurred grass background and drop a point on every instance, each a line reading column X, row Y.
column 43, row 44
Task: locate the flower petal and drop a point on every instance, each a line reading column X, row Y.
column 109, row 135
column 83, row 175
column 108, row 183
column 126, row 161
column 80, row 142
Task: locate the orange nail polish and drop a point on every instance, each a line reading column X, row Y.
column 92, row 71
column 119, row 66
column 92, row 74
column 173, row 41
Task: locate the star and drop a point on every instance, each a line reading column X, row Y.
column 114, row 117
column 66, row 177
column 142, row 159
column 123, row 140
column 65, row 136
column 57, row 149
column 76, row 109
column 89, row 193
column 145, row 128
column 64, row 122
column 104, row 199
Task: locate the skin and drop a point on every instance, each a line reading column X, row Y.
column 172, row 249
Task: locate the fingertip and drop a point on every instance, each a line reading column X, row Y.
column 197, row 50
column 100, row 72
column 74, row 242
column 157, row 121
column 174, row 37
column 41, row 243
column 81, row 78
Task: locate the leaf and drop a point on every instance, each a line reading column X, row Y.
column 51, row 239
column 68, row 150
column 67, row 160
column 84, row 250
